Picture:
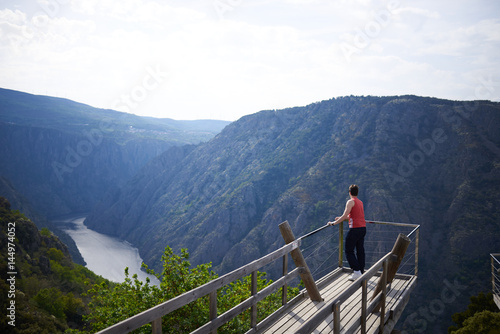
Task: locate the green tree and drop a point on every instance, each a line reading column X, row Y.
column 112, row 303
column 484, row 322
column 52, row 301
column 478, row 304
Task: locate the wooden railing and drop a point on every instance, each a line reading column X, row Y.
column 378, row 302
column 154, row 314
column 495, row 277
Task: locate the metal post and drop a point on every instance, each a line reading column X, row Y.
column 341, row 244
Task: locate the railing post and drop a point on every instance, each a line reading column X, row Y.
column 213, row 308
column 398, row 251
column 253, row 316
column 416, row 251
column 364, row 302
column 156, row 324
column 492, row 275
column 336, row 317
column 299, row 261
column 285, row 286
column 384, row 292
column 341, row 244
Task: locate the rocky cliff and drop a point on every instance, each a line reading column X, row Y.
column 417, row 160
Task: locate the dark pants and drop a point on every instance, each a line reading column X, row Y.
column 355, row 239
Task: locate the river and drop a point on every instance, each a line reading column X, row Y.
column 105, row 255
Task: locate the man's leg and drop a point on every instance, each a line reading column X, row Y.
column 350, row 244
column 360, row 249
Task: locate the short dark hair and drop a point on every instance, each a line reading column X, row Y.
column 353, row 190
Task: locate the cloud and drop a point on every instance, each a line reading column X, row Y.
column 258, row 55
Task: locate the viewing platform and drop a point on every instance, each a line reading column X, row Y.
column 331, row 303
column 301, row 310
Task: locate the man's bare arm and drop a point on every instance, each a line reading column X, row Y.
column 347, row 210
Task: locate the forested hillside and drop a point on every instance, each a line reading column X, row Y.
column 62, row 155
column 41, row 290
column 417, row 160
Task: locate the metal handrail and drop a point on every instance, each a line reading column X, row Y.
column 334, row 306
column 416, row 230
column 495, row 277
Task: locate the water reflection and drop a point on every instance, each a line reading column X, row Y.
column 105, row 255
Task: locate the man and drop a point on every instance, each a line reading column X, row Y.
column 355, row 238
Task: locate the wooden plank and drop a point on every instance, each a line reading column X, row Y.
column 399, row 250
column 350, row 310
column 399, row 305
column 268, row 322
column 298, row 259
column 248, row 303
column 323, row 313
column 329, row 293
column 400, row 290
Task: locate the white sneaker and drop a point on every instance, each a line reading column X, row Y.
column 355, row 275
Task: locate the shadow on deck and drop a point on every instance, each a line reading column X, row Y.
column 301, row 309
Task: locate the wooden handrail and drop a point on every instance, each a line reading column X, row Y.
column 246, row 304
column 378, row 299
column 158, row 311
column 325, row 311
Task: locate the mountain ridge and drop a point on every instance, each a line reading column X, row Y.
column 62, row 155
column 416, row 159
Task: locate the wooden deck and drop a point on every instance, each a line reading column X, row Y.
column 299, row 310
column 349, row 300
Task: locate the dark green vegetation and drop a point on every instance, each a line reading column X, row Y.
column 481, row 317
column 417, row 160
column 45, row 293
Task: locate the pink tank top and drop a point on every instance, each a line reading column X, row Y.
column 357, row 215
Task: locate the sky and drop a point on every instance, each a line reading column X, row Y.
column 223, row 59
